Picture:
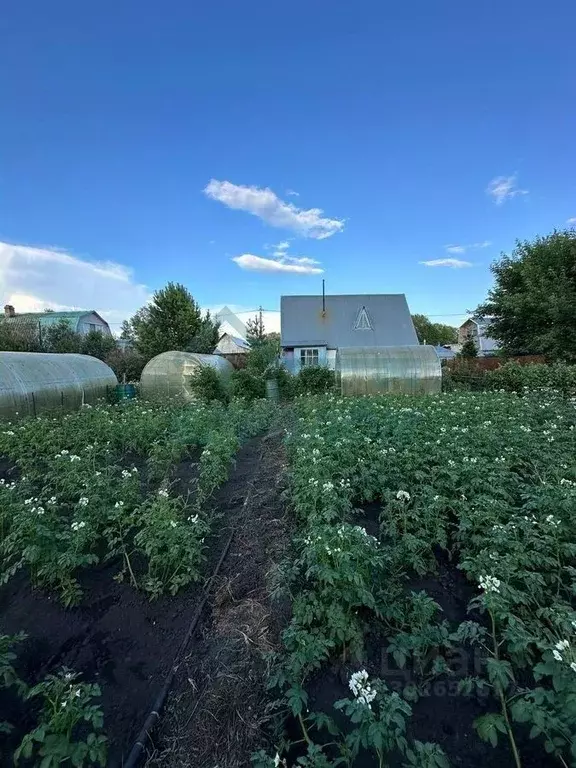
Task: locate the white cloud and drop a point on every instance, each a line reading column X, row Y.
column 469, row 247
column 453, row 263
column 265, row 204
column 280, row 248
column 504, row 188
column 299, row 266
column 291, row 193
column 571, row 220
column 33, row 279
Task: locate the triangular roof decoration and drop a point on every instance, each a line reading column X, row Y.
column 363, row 321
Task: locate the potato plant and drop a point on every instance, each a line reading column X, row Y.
column 96, row 486
column 489, row 480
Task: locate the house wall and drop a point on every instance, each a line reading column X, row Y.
column 291, row 358
column 86, row 323
column 228, row 346
column 466, row 330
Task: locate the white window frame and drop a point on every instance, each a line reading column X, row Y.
column 309, row 357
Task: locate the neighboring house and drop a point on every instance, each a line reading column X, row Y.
column 232, row 345
column 313, row 327
column 81, row 321
column 445, row 353
column 475, row 328
column 230, row 323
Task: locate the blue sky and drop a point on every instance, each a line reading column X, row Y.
column 139, row 140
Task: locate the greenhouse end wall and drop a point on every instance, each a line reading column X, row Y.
column 32, row 383
column 168, row 375
column 411, row 370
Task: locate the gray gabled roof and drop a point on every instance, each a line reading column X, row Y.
column 344, row 322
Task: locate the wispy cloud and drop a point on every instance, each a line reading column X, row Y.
column 468, row 247
column 504, row 188
column 452, row 263
column 292, row 193
column 280, row 248
column 265, row 204
column 33, row 279
column 296, row 265
column 571, row 220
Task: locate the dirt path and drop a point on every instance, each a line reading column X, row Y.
column 217, row 710
column 116, row 636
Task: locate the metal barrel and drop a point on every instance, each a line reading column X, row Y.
column 125, row 392
column 272, row 390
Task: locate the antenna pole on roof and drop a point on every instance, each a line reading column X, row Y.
column 323, row 298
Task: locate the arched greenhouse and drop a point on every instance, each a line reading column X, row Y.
column 411, row 370
column 168, row 375
column 35, row 382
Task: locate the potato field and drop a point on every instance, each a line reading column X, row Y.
column 379, row 581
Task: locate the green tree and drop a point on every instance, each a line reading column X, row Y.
column 263, row 356
column 172, row 321
column 468, row 349
column 19, row 338
column 435, row 334
column 532, row 306
column 127, row 364
column 255, row 333
column 207, row 336
column 61, row 337
column 97, row 344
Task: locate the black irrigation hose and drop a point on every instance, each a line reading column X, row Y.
column 154, row 714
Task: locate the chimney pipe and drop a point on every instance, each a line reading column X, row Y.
column 9, row 311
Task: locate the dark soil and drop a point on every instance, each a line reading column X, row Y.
column 441, row 715
column 116, row 637
column 218, row 712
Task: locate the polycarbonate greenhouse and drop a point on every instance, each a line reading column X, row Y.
column 168, row 375
column 411, row 370
column 35, row 382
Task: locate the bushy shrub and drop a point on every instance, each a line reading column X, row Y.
column 207, row 385
column 248, row 385
column 126, row 364
column 314, row 380
column 464, row 376
column 511, row 377
column 514, row 377
column 286, row 382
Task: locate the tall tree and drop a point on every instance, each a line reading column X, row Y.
column 207, row 336
column 61, row 337
column 255, row 333
column 172, row 321
column 435, row 334
column 468, row 349
column 97, row 344
column 532, row 307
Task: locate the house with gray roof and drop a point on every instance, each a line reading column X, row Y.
column 313, row 328
column 475, row 328
column 82, row 321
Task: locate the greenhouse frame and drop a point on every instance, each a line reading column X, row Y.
column 168, row 375
column 410, row 370
column 37, row 382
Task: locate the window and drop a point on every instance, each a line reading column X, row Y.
column 92, row 327
column 308, row 357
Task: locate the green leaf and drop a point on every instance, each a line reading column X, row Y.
column 488, row 726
